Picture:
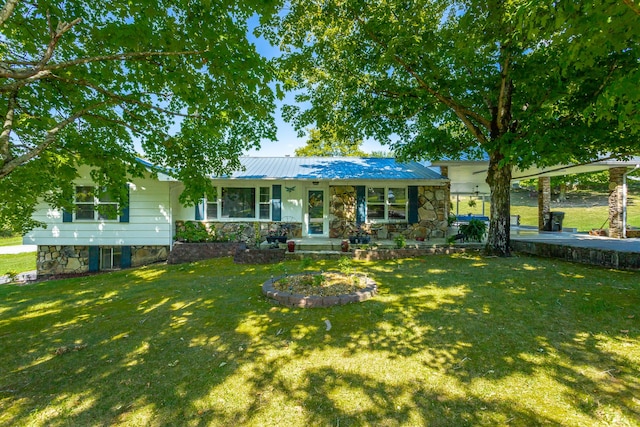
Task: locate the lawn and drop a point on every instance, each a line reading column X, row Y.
column 17, row 263
column 11, row 241
column 584, row 210
column 449, row 340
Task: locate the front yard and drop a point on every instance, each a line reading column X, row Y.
column 449, row 340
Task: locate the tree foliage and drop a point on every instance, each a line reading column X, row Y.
column 527, row 82
column 93, row 82
column 325, row 143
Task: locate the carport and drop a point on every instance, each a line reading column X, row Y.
column 468, row 177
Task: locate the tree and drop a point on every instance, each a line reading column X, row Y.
column 324, row 143
column 93, row 83
column 443, row 78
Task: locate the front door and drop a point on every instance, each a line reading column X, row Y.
column 315, row 210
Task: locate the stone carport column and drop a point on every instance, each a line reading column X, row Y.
column 616, row 202
column 544, row 199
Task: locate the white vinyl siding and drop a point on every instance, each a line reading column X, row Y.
column 150, row 221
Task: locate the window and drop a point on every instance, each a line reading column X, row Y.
column 110, row 258
column 386, row 204
column 265, row 202
column 397, row 198
column 93, row 203
column 238, row 202
column 212, row 206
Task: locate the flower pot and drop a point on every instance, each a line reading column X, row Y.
column 291, row 245
column 344, row 246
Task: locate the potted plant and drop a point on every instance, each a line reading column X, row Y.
column 359, row 235
column 474, row 230
column 278, row 235
column 400, row 240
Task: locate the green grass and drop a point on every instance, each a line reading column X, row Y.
column 17, row 263
column 582, row 218
column 10, row 241
column 450, row 340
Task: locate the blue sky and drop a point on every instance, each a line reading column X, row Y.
column 287, row 139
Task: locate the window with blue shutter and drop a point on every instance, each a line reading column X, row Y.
column 125, row 257
column 124, row 215
column 200, row 210
column 413, row 204
column 361, row 204
column 94, row 258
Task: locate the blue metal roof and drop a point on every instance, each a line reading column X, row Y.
column 332, row 168
column 325, row 168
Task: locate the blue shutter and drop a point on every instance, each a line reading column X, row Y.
column 200, row 210
column 361, row 204
column 125, row 257
column 276, row 203
column 67, row 216
column 412, row 192
column 94, row 258
column 124, row 216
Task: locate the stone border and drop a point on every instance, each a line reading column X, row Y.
column 314, row 301
column 594, row 256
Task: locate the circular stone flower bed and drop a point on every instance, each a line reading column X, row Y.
column 325, row 289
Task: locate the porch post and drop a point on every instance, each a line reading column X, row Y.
column 544, row 199
column 444, row 171
column 617, row 195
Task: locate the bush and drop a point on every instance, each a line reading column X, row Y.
column 194, row 232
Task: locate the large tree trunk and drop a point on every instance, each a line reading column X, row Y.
column 499, row 180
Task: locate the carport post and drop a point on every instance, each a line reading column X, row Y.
column 617, row 199
column 544, row 199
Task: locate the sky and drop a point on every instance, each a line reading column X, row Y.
column 287, row 139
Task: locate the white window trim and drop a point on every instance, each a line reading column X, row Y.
column 257, row 202
column 387, row 204
column 96, row 202
column 111, row 249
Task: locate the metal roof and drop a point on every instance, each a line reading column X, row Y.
column 324, row 168
column 332, row 168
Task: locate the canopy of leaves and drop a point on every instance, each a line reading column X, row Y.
column 92, row 82
column 328, row 144
column 527, row 82
column 451, row 77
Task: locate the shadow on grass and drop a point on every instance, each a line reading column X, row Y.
column 448, row 341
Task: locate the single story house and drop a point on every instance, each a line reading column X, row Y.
column 315, row 197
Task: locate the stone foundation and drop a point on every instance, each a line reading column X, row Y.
column 144, row 255
column 54, row 260
column 68, row 260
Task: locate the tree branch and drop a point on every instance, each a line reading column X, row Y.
column 7, row 127
column 17, row 84
column 121, row 98
column 48, row 140
column 460, row 111
column 7, row 10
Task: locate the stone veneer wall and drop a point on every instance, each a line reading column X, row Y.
column 342, row 210
column 246, row 231
column 54, row 260
column 433, row 206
